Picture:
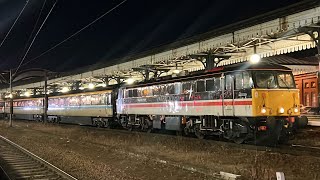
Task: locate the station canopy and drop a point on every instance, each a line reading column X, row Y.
column 290, row 29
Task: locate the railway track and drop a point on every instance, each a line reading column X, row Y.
column 292, row 149
column 19, row 163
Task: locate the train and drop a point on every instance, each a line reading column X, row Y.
column 241, row 102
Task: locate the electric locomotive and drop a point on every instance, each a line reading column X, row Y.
column 240, row 102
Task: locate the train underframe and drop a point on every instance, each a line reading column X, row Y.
column 256, row 130
column 103, row 122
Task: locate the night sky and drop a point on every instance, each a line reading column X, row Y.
column 133, row 27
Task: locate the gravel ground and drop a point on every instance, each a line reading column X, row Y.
column 90, row 153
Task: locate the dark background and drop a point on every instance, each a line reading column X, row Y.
column 135, row 26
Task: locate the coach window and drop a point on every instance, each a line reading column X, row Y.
column 201, row 86
column 95, row 99
column 156, row 90
column 210, row 85
column 163, row 89
column 125, row 93
column 86, row 100
column 228, row 82
column 170, row 88
column 108, row 96
column 134, row 92
column 146, row 91
column 61, row 102
column 187, row 87
column 130, row 93
column 217, row 86
column 177, row 88
column 238, row 81
column 247, row 81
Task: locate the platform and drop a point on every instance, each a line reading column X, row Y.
column 313, row 120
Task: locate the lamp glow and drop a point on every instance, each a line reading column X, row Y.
column 295, row 110
column 281, row 110
column 263, row 110
column 27, row 94
column 65, row 89
column 130, row 81
column 255, row 58
column 91, row 86
column 176, row 71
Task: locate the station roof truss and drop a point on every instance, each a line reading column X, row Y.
column 231, row 44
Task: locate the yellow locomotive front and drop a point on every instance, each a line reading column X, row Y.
column 275, row 103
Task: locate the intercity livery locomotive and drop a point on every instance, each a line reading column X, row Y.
column 240, row 102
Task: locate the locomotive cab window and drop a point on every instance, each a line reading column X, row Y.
column 265, row 79
column 285, row 80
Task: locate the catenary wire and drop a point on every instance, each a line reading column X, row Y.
column 34, row 38
column 45, row 52
column 35, row 26
column 4, row 39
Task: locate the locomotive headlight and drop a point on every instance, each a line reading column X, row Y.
column 295, row 110
column 263, row 110
column 281, row 110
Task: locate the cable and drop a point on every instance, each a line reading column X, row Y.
column 45, row 52
column 35, row 36
column 14, row 23
column 35, row 25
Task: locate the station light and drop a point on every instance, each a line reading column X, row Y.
column 27, row 94
column 176, row 71
column 91, row 86
column 104, row 85
column 65, row 89
column 130, row 81
column 254, row 58
column 9, row 96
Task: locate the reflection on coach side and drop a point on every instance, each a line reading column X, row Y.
column 82, row 108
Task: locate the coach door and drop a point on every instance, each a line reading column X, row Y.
column 228, row 95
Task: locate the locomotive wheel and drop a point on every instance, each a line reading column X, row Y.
column 198, row 132
column 242, row 135
column 130, row 127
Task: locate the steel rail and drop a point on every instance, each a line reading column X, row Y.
column 22, row 158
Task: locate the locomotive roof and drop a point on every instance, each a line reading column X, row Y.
column 207, row 73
